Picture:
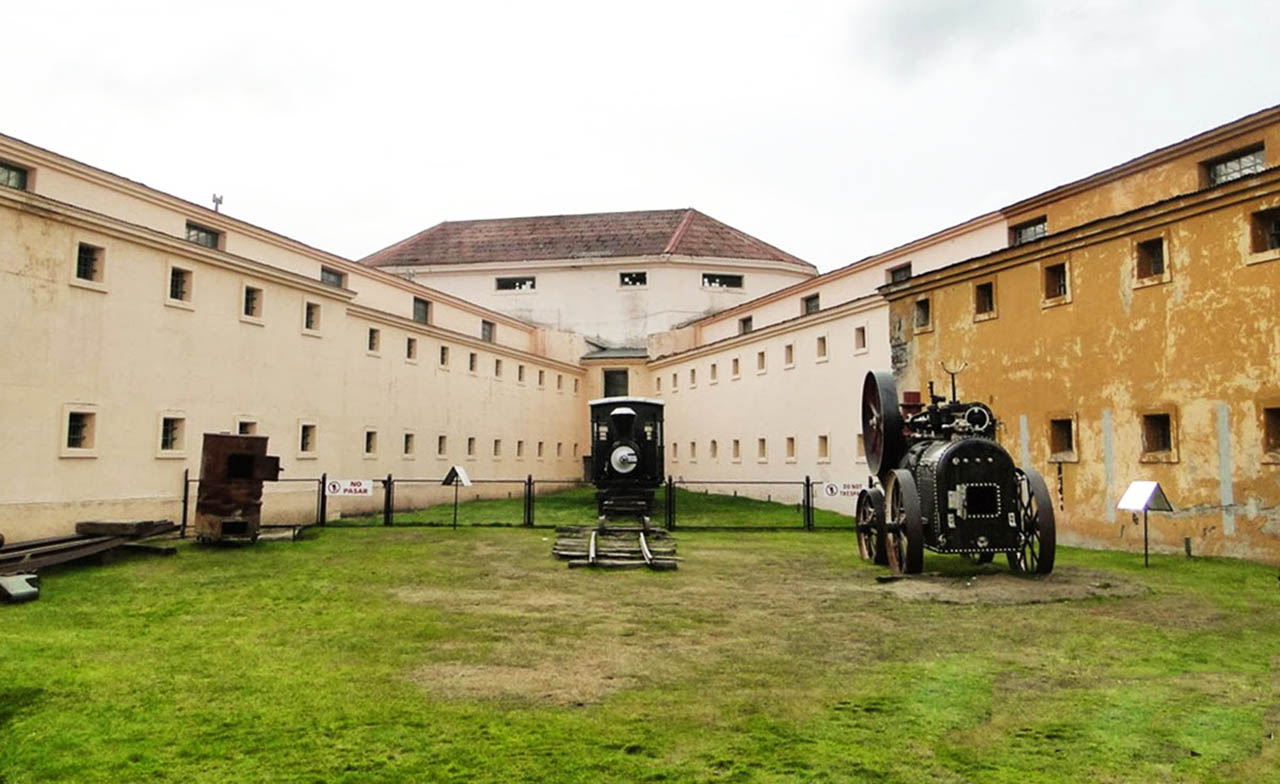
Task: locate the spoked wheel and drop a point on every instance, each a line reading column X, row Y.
column 1035, row 524
column 871, row 525
column 904, row 537
column 882, row 422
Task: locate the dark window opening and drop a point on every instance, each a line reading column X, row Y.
column 247, row 428
column 471, row 362
column 1271, row 431
column 717, row 281
column 202, row 236
column 408, row 443
column 1157, row 433
column 633, row 278
column 13, row 176
column 1151, row 258
column 486, row 331
column 170, row 433
column 80, row 430
column 1061, row 438
column 1266, row 230
column 616, row 383
column 984, row 298
column 311, row 317
column 375, row 339
column 179, row 284
column 744, row 325
column 307, row 441
column 89, row 262
column 421, row 310
column 332, row 277
column 1028, row 232
column 1235, row 165
column 252, row 301
column 923, row 315
column 444, row 355
column 370, row 441
column 899, row 274
column 809, row 305
column 410, row 348
column 516, row 284
column 1055, row 281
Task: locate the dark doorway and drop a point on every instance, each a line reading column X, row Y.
column 615, row 383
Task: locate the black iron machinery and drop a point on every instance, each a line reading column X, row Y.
column 942, row 483
column 626, row 455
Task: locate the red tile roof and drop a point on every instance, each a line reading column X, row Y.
column 602, row 235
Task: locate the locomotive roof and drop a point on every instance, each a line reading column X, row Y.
column 612, row 400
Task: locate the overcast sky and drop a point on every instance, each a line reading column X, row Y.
column 832, row 130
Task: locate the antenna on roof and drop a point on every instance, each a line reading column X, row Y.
column 217, row 202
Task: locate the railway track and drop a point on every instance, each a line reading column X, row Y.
column 616, row 547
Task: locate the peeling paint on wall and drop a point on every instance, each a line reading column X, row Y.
column 1108, row 463
column 1225, row 489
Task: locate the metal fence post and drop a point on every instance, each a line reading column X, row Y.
column 528, row 500
column 387, row 500
column 186, row 500
column 808, row 503
column 671, row 504
column 322, row 503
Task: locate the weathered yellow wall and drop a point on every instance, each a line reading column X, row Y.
column 1205, row 343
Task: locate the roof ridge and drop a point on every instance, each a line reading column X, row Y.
column 678, row 234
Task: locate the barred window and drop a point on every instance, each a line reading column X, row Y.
column 1235, row 166
column 717, row 281
column 633, row 278
column 201, row 235
column 333, row 277
column 516, row 284
column 89, row 262
column 1029, row 231
column 13, row 176
column 421, row 310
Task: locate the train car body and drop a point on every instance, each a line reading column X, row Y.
column 627, row 460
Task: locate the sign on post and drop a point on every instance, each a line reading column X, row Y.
column 457, row 476
column 1142, row 496
column 841, row 489
column 347, row 487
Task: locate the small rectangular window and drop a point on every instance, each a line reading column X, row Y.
column 822, row 347
column 859, row 338
column 311, row 316
column 252, row 302
column 1265, row 226
column 616, row 383
column 693, row 450
column 1062, row 441
column 375, row 339
column 809, row 305
column 1271, row 433
column 633, row 278
column 760, row 363
column 471, row 446
column 675, row 381
column 421, row 310
column 180, row 284
column 744, row 325
column 717, row 281
column 1235, row 165
column 1055, row 281
column 657, row 384
column 713, row 372
column 497, row 447
column 762, row 449
column 202, row 235
column 734, row 368
column 899, row 274
column 542, row 378
column 444, row 356
column 371, row 442
column 408, row 444
column 1028, row 232
column 12, row 176
column 714, row 449
column 171, row 433
column 520, row 373
column 575, row 386
column 559, row 381
column 984, row 298
column 693, row 377
column 80, row 427
column 89, row 262
column 675, row 450
column 515, row 284
column 1157, row 433
column 788, row 355
column 472, row 361
column 923, row 318
column 247, row 427
column 823, row 448
column 791, row 447
column 410, row 348
column 539, row 450
column 332, row 277
column 497, row 368
column 442, row 445
column 1150, row 261
column 486, row 331
column 735, row 450
column 520, row 448
column 307, row 439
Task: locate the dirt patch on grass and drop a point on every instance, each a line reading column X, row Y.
column 561, row 681
column 1003, row 588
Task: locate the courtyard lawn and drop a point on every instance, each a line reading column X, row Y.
column 427, row 654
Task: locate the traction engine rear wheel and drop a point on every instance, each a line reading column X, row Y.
column 1036, row 525
column 871, row 526
column 904, row 540
column 882, row 422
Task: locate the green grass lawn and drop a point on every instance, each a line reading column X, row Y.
column 694, row 509
column 427, row 654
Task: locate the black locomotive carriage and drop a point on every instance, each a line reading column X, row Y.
column 626, row 455
column 942, row 483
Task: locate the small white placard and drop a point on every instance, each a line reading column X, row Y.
column 841, row 489
column 457, row 475
column 348, row 487
column 1143, row 495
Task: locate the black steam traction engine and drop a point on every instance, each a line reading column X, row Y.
column 943, row 483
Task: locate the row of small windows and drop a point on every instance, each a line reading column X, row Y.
column 625, row 280
column 1150, row 266
column 822, row 451
column 1158, row 431
column 821, row 354
column 808, row 305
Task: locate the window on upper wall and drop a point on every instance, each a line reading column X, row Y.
column 626, row 279
column 497, row 368
column 675, row 382
column 519, row 448
column 371, row 442
column 859, row 339
column 471, row 361
column 410, row 348
column 1159, row 437
column 824, row 448
column 1028, row 232
column 520, row 373
column 693, row 450
column 486, row 331
column 172, row 430
column 311, row 316
column 408, row 444
column 791, row 447
column 1055, row 281
column 714, row 376
column 1235, row 165
column 923, row 314
column 246, row 427
column 984, row 299
column 375, row 340
column 444, row 356
column 538, row 450
column 542, row 377
column 616, row 383
column 1271, row 434
column 1062, row 440
column 252, row 305
column 717, row 281
column 714, row 449
column 809, row 305
column 898, row 274
column 762, row 449
column 421, row 310
column 735, row 450
column 442, row 445
column 202, row 235
column 80, row 429
column 516, row 284
column 693, row 377
column 788, row 355
column 332, row 277
column 1265, row 230
column 13, row 176
column 497, row 447
column 744, row 325
column 1150, row 259
column 821, row 348
column 734, row 368
column 307, row 439
column 89, row 262
column 471, row 446
column 760, row 364
column 559, row 381
column 180, row 284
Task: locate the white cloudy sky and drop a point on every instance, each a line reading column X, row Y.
column 833, row 130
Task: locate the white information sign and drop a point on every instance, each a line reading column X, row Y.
column 457, row 476
column 841, row 489
column 348, row 487
column 1144, row 495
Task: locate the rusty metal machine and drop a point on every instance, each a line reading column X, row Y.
column 943, row 483
column 229, row 496
column 626, row 455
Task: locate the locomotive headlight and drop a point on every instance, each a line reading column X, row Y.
column 624, row 459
